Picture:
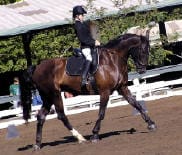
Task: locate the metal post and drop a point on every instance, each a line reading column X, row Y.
column 163, row 34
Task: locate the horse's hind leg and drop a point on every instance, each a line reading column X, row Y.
column 41, row 116
column 132, row 101
column 40, row 122
column 57, row 101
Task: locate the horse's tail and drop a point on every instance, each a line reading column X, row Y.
column 26, row 87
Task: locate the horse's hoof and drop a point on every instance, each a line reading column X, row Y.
column 152, row 127
column 36, row 147
column 94, row 139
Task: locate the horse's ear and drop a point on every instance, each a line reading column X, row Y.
column 147, row 34
column 145, row 37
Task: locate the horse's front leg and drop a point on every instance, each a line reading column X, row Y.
column 104, row 97
column 40, row 122
column 132, row 101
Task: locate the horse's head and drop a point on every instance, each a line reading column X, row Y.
column 138, row 47
column 140, row 55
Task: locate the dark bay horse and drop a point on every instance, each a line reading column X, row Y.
column 50, row 78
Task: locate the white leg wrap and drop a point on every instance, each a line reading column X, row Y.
column 76, row 134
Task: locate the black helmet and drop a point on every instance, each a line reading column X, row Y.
column 78, row 10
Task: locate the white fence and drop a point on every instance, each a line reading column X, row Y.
column 78, row 104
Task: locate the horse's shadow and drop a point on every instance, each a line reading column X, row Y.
column 71, row 139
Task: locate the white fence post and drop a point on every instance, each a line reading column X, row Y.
column 136, row 83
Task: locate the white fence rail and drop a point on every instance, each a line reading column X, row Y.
column 78, row 104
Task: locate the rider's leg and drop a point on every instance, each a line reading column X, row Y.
column 87, row 53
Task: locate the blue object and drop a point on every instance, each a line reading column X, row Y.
column 36, row 100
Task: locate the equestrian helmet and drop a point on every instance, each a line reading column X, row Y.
column 78, row 10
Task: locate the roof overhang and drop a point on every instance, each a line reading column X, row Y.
column 30, row 15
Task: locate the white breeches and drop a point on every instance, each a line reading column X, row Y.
column 87, row 53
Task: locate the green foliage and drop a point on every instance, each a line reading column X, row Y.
column 158, row 55
column 12, row 54
column 53, row 43
column 3, row 2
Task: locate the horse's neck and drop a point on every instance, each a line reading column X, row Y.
column 111, row 56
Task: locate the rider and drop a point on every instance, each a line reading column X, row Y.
column 84, row 36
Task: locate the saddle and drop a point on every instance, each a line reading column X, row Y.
column 75, row 64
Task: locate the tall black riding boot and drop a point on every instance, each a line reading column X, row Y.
column 85, row 73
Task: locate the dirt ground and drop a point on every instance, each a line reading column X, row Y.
column 115, row 136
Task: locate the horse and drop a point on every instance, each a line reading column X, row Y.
column 50, row 79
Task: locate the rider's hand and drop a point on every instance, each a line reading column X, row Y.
column 97, row 43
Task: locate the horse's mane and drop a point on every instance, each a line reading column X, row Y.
column 114, row 42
